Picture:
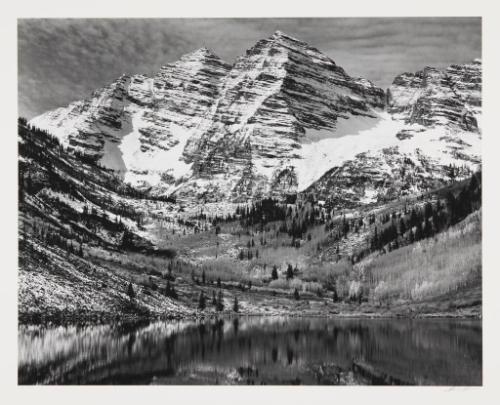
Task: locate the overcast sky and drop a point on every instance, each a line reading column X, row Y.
column 62, row 60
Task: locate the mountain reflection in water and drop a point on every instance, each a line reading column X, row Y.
column 253, row 350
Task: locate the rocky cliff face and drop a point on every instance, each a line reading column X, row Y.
column 270, row 98
column 140, row 125
column 284, row 118
column 438, row 114
column 433, row 97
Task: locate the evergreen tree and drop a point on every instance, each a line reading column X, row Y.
column 130, row 291
column 236, row 307
column 473, row 184
column 173, row 293
column 220, row 301
column 296, row 294
column 127, row 240
column 201, row 301
column 413, row 218
column 274, row 273
column 428, row 211
column 411, row 236
column 427, row 229
column 375, row 242
column 335, row 295
column 418, row 232
column 289, row 272
column 452, row 207
column 170, row 290
column 402, row 226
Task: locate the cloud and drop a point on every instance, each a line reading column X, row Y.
column 62, row 60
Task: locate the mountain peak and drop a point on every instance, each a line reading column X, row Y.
column 201, row 53
column 240, row 127
column 280, row 35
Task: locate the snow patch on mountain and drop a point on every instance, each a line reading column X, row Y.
column 150, row 166
column 59, row 122
column 345, row 126
column 316, row 158
column 352, row 136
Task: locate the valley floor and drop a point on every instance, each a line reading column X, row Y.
column 436, row 277
column 96, row 291
column 464, row 304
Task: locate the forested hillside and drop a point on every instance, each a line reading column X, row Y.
column 91, row 246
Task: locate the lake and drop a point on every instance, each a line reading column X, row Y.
column 255, row 350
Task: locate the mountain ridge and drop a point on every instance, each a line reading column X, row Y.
column 273, row 123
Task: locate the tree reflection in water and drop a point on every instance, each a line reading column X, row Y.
column 236, row 351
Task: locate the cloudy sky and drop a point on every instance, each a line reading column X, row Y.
column 62, row 60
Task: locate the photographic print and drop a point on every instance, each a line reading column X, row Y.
column 270, row 201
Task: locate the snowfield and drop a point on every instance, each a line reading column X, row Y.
column 156, row 162
column 327, row 149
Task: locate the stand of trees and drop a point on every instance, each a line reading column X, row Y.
column 170, row 291
column 421, row 223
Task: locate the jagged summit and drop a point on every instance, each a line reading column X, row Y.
column 439, row 97
column 271, row 100
column 294, row 45
column 201, row 53
column 280, row 35
column 274, row 122
column 280, row 43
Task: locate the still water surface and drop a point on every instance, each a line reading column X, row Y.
column 255, row 351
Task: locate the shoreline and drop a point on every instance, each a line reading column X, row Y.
column 94, row 319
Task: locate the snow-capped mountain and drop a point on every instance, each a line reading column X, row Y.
column 284, row 118
column 280, row 97
column 431, row 136
column 430, row 97
column 140, row 125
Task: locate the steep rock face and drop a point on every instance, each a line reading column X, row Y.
column 437, row 139
column 381, row 176
column 276, row 92
column 140, row 125
column 284, row 118
column 433, row 97
column 84, row 125
column 182, row 93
